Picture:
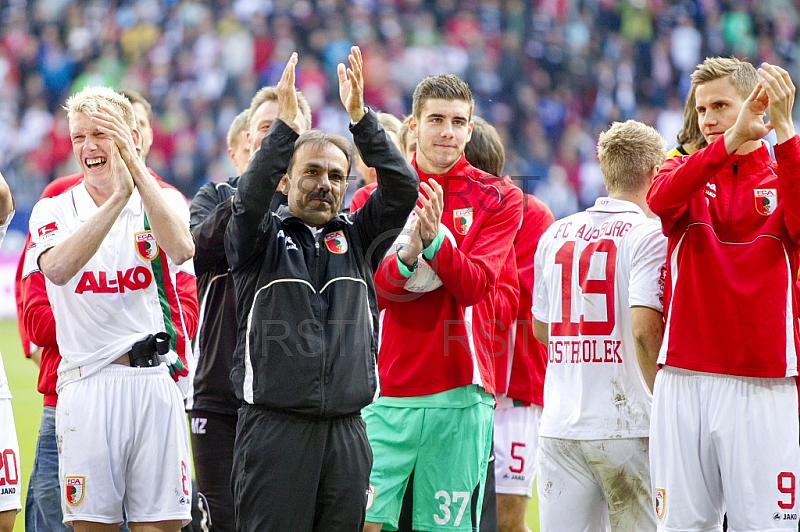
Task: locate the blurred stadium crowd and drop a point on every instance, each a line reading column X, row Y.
column 549, row 74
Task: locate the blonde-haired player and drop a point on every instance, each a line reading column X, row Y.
column 110, row 249
column 597, row 304
column 725, row 400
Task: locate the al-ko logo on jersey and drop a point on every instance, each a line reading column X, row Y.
column 462, row 220
column 146, row 245
column 766, row 200
column 336, row 242
column 75, row 490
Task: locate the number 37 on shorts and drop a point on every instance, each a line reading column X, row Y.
column 451, row 505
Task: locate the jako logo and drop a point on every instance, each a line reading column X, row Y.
column 133, row 279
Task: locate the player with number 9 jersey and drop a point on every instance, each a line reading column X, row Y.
column 596, row 273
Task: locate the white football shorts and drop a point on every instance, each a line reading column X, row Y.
column 516, row 437
column 585, row 485
column 10, row 485
column 724, row 443
column 123, row 441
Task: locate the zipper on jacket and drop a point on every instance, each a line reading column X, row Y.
column 318, row 297
column 733, row 193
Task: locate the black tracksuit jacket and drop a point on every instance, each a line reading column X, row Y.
column 308, row 320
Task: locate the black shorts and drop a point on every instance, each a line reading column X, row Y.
column 299, row 474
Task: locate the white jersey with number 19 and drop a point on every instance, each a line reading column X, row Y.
column 590, row 269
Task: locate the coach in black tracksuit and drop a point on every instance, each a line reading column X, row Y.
column 308, row 317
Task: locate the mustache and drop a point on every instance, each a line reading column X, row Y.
column 321, row 195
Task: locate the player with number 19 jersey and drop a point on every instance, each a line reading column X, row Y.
column 590, row 269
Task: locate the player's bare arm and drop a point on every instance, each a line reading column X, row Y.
column 171, row 231
column 541, row 331
column 6, row 200
column 647, row 328
column 61, row 262
column 781, row 91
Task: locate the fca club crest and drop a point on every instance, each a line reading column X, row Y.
column 75, row 490
column 146, row 245
column 462, row 220
column 336, row 242
column 370, row 496
column 766, row 200
column 660, row 497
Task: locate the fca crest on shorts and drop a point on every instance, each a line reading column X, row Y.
column 660, row 500
column 75, row 490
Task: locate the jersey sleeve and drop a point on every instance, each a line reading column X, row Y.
column 210, row 217
column 47, row 227
column 541, row 302
column 472, row 276
column 681, row 179
column 648, row 260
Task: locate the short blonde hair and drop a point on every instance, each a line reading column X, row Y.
column 390, row 123
column 628, row 152
column 742, row 75
column 402, row 135
column 238, row 125
column 90, row 99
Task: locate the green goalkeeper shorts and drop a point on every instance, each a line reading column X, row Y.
column 447, row 449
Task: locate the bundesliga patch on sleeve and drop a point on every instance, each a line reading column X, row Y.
column 47, row 231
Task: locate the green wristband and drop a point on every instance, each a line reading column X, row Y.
column 431, row 251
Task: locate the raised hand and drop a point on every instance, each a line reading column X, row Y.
column 412, row 246
column 750, row 123
column 121, row 175
column 430, row 213
column 287, row 94
column 351, row 85
column 110, row 122
column 780, row 91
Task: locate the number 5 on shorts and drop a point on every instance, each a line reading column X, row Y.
column 463, row 496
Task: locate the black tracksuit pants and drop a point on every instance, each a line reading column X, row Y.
column 292, row 473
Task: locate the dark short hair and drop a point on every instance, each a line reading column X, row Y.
column 485, row 150
column 440, row 87
column 317, row 138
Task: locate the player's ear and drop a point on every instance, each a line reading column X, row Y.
column 283, row 186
